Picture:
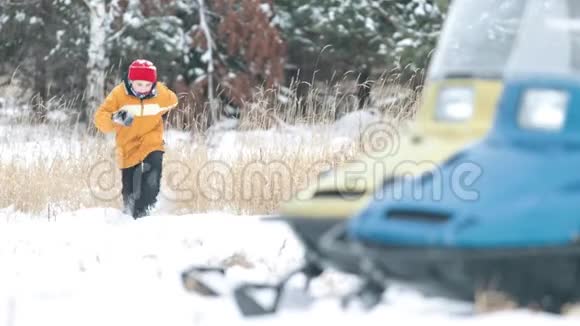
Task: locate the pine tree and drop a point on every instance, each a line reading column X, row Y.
column 44, row 43
column 147, row 29
column 336, row 36
column 248, row 52
column 418, row 24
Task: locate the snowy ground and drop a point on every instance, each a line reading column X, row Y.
column 99, row 267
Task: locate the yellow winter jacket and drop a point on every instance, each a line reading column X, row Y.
column 145, row 135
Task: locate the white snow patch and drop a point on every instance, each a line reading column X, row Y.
column 174, row 137
column 266, row 9
column 57, row 116
column 99, row 267
column 26, row 144
column 341, row 134
column 20, row 16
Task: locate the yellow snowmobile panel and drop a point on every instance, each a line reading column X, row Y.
column 433, row 138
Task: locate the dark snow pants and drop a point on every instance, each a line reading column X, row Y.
column 141, row 185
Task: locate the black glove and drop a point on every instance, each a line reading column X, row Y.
column 123, row 117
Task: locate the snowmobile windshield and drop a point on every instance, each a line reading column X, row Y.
column 492, row 38
column 548, row 43
column 477, row 39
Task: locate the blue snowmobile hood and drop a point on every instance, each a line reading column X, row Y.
column 516, row 188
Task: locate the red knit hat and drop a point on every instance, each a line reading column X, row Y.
column 141, row 69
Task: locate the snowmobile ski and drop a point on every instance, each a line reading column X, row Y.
column 252, row 299
column 202, row 280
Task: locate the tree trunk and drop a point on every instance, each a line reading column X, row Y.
column 209, row 57
column 97, row 58
column 40, row 86
column 363, row 86
column 41, row 70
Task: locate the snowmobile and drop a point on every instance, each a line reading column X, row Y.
column 501, row 215
column 457, row 108
column 459, row 101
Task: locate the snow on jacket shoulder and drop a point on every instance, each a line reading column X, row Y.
column 145, row 135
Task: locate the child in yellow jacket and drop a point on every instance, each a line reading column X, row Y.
column 135, row 111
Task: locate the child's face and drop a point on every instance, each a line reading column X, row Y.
column 141, row 86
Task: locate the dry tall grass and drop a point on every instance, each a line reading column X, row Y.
column 44, row 178
column 85, row 175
